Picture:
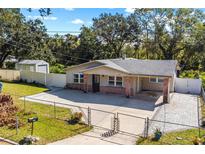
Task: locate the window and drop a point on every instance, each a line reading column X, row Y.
column 115, row 81
column 119, row 81
column 160, row 80
column 78, row 78
column 111, row 80
column 153, row 80
column 156, row 80
column 75, row 78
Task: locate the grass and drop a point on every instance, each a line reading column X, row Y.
column 22, row 89
column 171, row 138
column 48, row 128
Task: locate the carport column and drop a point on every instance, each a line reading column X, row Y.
column 138, row 84
column 166, row 90
column 85, row 78
column 127, row 87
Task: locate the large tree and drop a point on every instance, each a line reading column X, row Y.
column 21, row 38
column 169, row 29
column 10, row 22
column 114, row 32
column 89, row 46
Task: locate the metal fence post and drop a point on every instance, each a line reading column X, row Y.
column 54, row 105
column 114, row 123
column 147, row 127
column 198, row 111
column 117, row 125
column 89, row 116
column 24, row 103
column 17, row 125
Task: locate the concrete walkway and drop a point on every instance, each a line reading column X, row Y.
column 93, row 138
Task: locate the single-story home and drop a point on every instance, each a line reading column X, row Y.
column 33, row 66
column 127, row 76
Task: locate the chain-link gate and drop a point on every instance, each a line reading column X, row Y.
column 101, row 119
column 131, row 124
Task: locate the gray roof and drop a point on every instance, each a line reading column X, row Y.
column 142, row 67
column 32, row 62
column 111, row 64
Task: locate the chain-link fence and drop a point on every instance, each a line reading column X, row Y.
column 131, row 124
column 53, row 117
column 52, row 121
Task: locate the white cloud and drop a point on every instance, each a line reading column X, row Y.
column 89, row 22
column 69, row 9
column 77, row 21
column 129, row 10
column 43, row 18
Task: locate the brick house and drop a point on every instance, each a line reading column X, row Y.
column 126, row 76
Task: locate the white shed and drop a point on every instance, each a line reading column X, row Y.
column 33, row 66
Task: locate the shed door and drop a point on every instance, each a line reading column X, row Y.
column 42, row 68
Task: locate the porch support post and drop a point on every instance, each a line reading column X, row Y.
column 127, row 87
column 138, row 84
column 166, row 90
column 85, row 78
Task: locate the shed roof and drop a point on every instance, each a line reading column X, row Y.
column 32, row 62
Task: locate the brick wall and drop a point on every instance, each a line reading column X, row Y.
column 146, row 85
column 77, row 86
column 112, row 90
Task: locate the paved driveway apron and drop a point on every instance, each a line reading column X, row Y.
column 183, row 109
column 106, row 102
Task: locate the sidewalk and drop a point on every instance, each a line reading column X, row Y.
column 93, row 138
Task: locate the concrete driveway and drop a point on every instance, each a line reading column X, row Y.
column 106, row 102
column 181, row 113
column 182, row 109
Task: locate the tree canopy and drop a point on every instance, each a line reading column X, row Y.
column 145, row 34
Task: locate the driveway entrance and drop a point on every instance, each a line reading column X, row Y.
column 103, row 109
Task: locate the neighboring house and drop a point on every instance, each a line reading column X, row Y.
column 123, row 76
column 33, row 66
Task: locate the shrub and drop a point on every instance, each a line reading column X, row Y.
column 190, row 74
column 8, row 111
column 57, row 68
column 157, row 134
column 75, row 118
column 196, row 140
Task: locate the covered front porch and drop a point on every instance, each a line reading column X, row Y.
column 128, row 85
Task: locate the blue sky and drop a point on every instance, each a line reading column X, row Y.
column 71, row 19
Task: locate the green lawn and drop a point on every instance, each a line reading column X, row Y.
column 22, row 89
column 48, row 128
column 171, row 138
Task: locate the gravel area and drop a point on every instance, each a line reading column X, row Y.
column 183, row 109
